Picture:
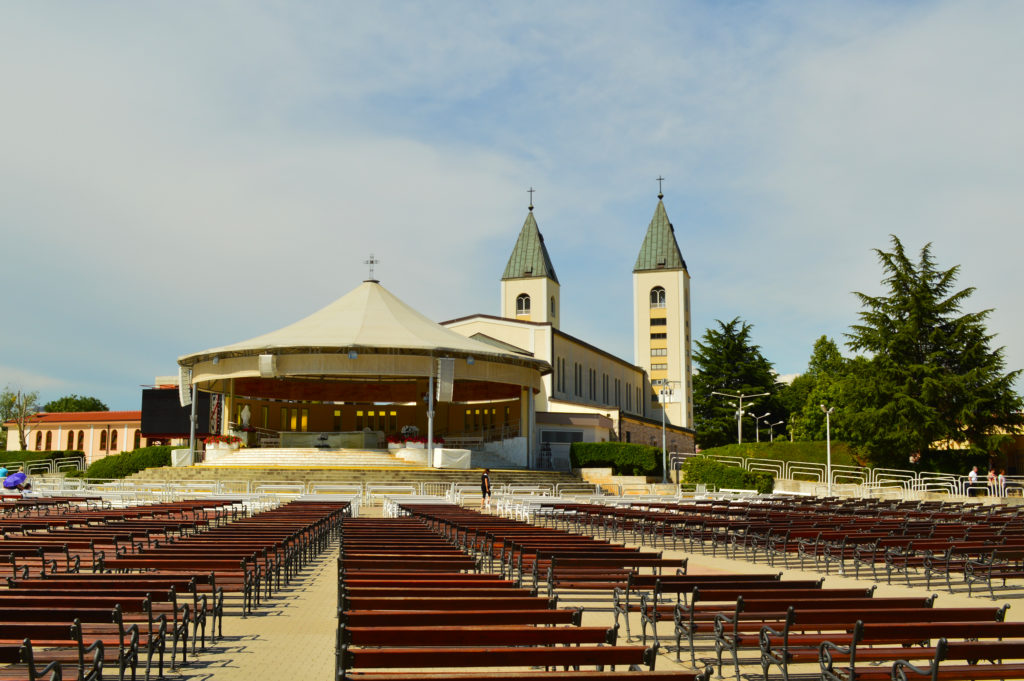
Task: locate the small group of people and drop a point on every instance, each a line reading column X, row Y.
column 996, row 482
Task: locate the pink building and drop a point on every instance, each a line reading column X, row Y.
column 97, row 433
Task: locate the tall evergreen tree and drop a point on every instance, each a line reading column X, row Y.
column 931, row 378
column 728, row 362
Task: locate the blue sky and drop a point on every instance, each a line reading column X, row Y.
column 178, row 176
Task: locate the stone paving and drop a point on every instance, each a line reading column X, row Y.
column 292, row 636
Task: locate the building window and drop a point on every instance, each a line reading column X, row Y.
column 137, row 439
column 659, row 367
column 49, row 440
column 657, row 297
column 659, row 381
column 103, row 441
column 523, row 304
column 552, row 306
column 656, row 336
column 360, row 421
column 113, row 440
column 265, row 412
column 81, row 440
column 337, row 420
column 660, row 321
column 71, row 441
column 659, row 352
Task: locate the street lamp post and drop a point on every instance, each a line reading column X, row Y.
column 828, row 445
column 666, row 395
column 739, row 410
column 771, row 430
column 757, row 424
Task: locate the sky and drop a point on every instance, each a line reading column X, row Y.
column 179, row 176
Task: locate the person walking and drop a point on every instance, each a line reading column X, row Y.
column 485, row 489
column 972, row 480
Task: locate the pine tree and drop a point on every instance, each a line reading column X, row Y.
column 931, row 378
column 728, row 362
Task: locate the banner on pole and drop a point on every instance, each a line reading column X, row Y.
column 445, row 379
column 184, row 385
column 216, row 412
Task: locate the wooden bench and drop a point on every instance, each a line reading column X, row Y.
column 839, row 663
column 84, row 661
column 800, row 645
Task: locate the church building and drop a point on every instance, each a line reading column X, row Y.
column 591, row 395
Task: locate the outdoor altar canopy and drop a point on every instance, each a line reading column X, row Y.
column 364, row 366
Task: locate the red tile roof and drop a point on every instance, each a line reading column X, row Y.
column 86, row 417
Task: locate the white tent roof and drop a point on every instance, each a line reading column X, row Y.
column 370, row 318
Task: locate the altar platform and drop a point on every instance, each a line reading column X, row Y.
column 334, row 458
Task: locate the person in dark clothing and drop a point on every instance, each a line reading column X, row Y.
column 485, row 489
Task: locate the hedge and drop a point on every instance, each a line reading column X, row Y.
column 703, row 471
column 21, row 455
column 623, row 458
column 127, row 463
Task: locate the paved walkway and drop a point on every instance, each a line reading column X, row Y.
column 289, row 638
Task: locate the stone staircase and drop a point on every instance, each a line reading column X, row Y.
column 390, row 474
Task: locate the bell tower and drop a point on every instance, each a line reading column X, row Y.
column 529, row 286
column 661, row 319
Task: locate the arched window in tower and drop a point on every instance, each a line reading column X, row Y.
column 113, row 440
column 39, row 441
column 523, row 304
column 103, row 440
column 553, row 307
column 49, row 440
column 81, row 440
column 71, row 441
column 657, row 297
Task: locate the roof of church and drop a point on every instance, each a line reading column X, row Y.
column 529, row 258
column 660, row 250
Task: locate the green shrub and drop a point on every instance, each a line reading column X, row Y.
column 622, row 457
column 128, row 463
column 703, row 471
column 9, row 457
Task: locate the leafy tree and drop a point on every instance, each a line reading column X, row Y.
column 728, row 362
column 825, row 371
column 19, row 406
column 75, row 403
column 931, row 379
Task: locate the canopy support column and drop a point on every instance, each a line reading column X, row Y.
column 430, row 417
column 192, row 425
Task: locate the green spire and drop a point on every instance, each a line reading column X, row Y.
column 660, row 250
column 529, row 258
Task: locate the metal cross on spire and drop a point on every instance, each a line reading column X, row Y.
column 660, row 179
column 530, row 191
column 371, row 262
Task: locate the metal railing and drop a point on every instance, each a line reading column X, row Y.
column 861, row 481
